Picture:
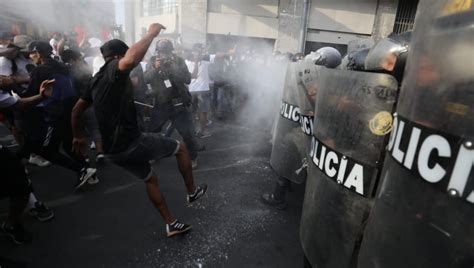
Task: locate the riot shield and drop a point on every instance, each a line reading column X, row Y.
column 352, row 118
column 423, row 212
column 293, row 129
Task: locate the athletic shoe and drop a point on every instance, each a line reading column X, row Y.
column 93, row 180
column 18, row 234
column 41, row 212
column 194, row 164
column 209, row 122
column 269, row 199
column 100, row 158
column 92, row 146
column 38, row 160
column 84, row 175
column 177, row 228
column 203, row 134
column 198, row 193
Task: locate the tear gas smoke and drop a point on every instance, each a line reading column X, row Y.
column 257, row 78
column 42, row 17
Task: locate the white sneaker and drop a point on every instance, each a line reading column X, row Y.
column 93, row 180
column 38, row 160
column 84, row 175
column 194, row 164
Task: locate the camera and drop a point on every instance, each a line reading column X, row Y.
column 166, row 62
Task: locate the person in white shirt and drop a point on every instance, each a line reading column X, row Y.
column 199, row 87
column 15, row 77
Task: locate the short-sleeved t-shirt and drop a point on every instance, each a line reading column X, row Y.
column 6, row 100
column 111, row 93
column 201, row 83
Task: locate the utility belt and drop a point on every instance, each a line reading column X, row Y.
column 176, row 104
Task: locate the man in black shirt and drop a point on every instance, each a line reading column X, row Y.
column 111, row 93
column 48, row 131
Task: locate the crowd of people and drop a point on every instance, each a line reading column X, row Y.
column 62, row 98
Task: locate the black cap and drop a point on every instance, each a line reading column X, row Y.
column 43, row 48
column 113, row 47
column 69, row 55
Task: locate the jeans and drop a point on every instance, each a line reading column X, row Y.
column 183, row 122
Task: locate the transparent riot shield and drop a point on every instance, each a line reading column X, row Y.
column 423, row 213
column 352, row 119
column 293, row 128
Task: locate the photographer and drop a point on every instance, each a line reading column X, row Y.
column 14, row 183
column 168, row 79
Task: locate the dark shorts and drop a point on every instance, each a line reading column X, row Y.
column 13, row 180
column 148, row 147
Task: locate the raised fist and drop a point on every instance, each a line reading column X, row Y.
column 155, row 29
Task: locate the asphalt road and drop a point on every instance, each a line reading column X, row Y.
column 113, row 224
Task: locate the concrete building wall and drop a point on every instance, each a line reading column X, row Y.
column 341, row 21
column 129, row 23
column 170, row 21
column 193, row 21
column 250, row 18
column 385, row 18
column 330, row 21
column 289, row 25
column 257, row 8
column 241, row 25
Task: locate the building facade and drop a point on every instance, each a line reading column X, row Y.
column 290, row 25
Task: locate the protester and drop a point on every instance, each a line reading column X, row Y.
column 199, row 87
column 14, row 77
column 82, row 76
column 111, row 94
column 55, row 128
column 14, row 183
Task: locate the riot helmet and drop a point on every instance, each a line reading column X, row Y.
column 164, row 49
column 325, row 56
column 389, row 55
column 357, row 59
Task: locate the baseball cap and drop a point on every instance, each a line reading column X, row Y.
column 21, row 42
column 114, row 47
column 41, row 47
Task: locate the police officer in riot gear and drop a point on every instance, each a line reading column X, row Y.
column 328, row 57
column 389, row 55
column 168, row 79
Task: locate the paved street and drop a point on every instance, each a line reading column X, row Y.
column 114, row 225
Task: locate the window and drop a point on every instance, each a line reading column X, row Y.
column 158, row 7
column 405, row 18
